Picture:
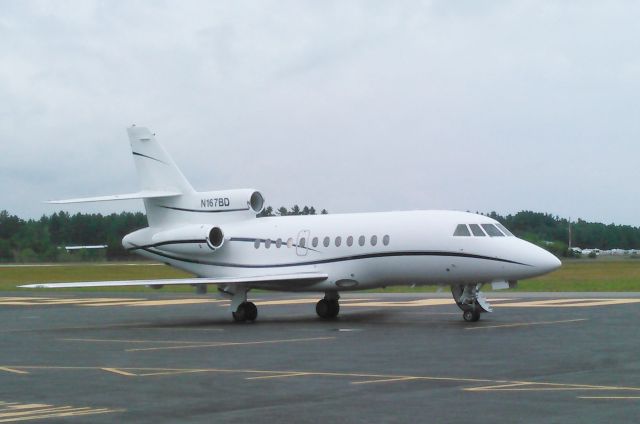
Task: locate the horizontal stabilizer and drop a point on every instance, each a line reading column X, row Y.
column 263, row 279
column 139, row 195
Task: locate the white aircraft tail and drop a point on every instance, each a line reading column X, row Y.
column 168, row 197
column 157, row 172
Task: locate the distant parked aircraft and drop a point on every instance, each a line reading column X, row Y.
column 216, row 236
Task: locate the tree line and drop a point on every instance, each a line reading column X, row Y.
column 44, row 239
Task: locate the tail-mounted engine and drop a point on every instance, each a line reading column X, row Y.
column 191, row 239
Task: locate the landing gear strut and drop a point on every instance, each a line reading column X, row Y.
column 241, row 309
column 470, row 299
column 329, row 307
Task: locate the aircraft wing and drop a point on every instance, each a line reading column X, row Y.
column 306, row 277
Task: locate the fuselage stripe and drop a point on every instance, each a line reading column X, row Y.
column 203, row 211
column 333, row 260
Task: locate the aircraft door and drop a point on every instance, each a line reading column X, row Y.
column 302, row 243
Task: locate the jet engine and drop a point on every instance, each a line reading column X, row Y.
column 191, row 239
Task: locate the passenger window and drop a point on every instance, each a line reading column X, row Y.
column 303, row 241
column 326, row 241
column 256, row 243
column 350, row 241
column 338, row 241
column 462, row 231
column 314, row 242
column 504, row 230
column 476, row 230
column 289, row 242
column 374, row 240
column 279, row 243
column 267, row 243
column 492, row 230
column 385, row 240
column 361, row 240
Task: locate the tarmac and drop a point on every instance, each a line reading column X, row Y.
column 166, row 357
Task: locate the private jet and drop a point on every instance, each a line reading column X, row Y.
column 218, row 237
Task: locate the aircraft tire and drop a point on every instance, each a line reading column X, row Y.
column 251, row 311
column 327, row 309
column 240, row 315
column 471, row 315
column 334, row 308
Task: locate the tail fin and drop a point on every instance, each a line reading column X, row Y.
column 161, row 182
column 156, row 170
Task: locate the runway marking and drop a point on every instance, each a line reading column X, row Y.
column 302, row 301
column 264, row 377
column 610, row 397
column 519, row 386
column 134, row 341
column 385, row 380
column 7, row 369
column 145, row 302
column 526, row 324
column 354, row 302
column 117, row 371
column 567, row 303
column 225, row 344
column 362, row 378
column 13, row 411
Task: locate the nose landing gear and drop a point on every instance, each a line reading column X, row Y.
column 470, row 299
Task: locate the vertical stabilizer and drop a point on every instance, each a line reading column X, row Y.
column 156, row 170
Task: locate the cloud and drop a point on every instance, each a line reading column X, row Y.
column 349, row 106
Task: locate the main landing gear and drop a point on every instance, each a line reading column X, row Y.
column 246, row 311
column 241, row 309
column 470, row 299
column 329, row 307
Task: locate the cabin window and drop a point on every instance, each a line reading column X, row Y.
column 289, row 242
column 492, row 230
column 256, row 243
column 338, row 241
column 303, row 241
column 386, row 239
column 462, row 231
column 350, row 241
column 361, row 240
column 279, row 243
column 504, row 230
column 476, row 230
column 314, row 242
column 326, row 242
column 374, row 240
column 267, row 243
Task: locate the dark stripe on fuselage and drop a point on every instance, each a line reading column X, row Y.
column 334, row 260
column 149, row 157
column 242, row 239
column 165, row 243
column 203, row 211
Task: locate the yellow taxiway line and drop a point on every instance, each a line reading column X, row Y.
column 526, row 324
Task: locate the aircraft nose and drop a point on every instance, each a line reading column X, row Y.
column 546, row 261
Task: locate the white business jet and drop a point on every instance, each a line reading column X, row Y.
column 217, row 237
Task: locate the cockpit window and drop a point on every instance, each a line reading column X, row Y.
column 492, row 230
column 462, row 230
column 504, row 230
column 476, row 230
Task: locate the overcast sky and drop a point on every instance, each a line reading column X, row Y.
column 347, row 105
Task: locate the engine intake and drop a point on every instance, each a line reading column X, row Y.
column 215, row 240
